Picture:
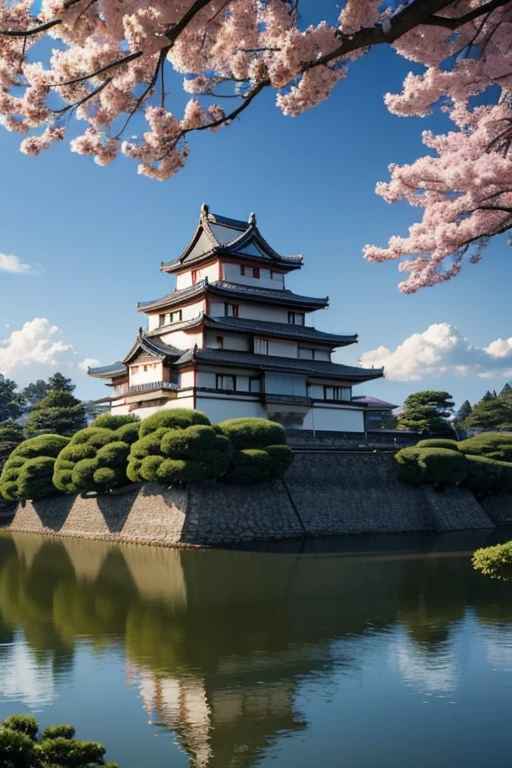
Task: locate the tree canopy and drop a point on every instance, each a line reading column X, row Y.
column 109, row 62
column 11, row 402
column 428, row 412
column 59, row 413
column 490, row 414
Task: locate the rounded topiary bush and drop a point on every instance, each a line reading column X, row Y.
column 179, row 456
column 495, row 562
column 493, row 445
column 260, row 452
column 112, row 421
column 438, row 443
column 483, row 474
column 27, row 473
column 177, row 418
column 434, row 466
column 95, row 459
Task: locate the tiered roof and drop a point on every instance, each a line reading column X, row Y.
column 242, row 325
column 233, row 290
column 218, row 235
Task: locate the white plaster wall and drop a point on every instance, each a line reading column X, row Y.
column 186, row 379
column 285, row 384
column 211, row 271
column 282, row 348
column 209, row 379
column 182, row 339
column 232, row 274
column 188, row 312
column 334, row 419
column 154, row 372
column 251, row 310
column 231, row 341
column 183, row 402
column 219, row 410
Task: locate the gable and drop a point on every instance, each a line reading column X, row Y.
column 251, row 249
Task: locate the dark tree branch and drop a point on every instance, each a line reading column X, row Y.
column 444, row 21
column 79, row 103
column 90, row 75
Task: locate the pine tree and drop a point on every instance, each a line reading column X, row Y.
column 35, row 392
column 489, row 396
column 490, row 414
column 11, row 402
column 59, row 413
column 506, row 394
column 427, row 412
column 463, row 412
column 60, row 382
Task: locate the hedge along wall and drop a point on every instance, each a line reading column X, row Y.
column 476, row 463
column 259, row 450
column 96, row 458
column 28, row 471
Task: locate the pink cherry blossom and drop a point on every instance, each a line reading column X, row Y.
column 111, row 59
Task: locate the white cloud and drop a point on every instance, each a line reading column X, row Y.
column 441, row 350
column 89, row 362
column 37, row 342
column 15, row 265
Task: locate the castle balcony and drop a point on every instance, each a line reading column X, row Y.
column 160, row 390
column 287, row 399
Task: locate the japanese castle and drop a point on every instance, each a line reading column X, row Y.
column 232, row 340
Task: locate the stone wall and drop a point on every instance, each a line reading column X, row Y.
column 323, row 494
column 391, row 438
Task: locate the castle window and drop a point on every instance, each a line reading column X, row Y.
column 256, row 272
column 176, row 317
column 220, row 342
column 231, row 310
column 242, row 271
column 260, row 346
column 161, row 320
column 195, row 275
column 306, row 354
column 226, row 382
column 296, row 318
column 254, row 384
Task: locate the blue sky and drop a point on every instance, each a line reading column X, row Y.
column 97, row 236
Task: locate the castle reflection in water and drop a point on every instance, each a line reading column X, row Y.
column 218, row 645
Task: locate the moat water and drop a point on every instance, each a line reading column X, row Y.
column 363, row 653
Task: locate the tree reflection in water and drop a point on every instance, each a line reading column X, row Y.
column 218, row 643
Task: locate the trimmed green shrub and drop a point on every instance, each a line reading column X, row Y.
column 260, row 452
column 21, row 748
column 252, row 433
column 483, row 475
column 178, row 456
column 28, row 471
column 505, row 480
column 95, row 459
column 492, row 445
column 435, row 466
column 438, row 443
column 177, row 418
column 58, row 731
column 26, row 724
column 111, row 421
column 495, row 562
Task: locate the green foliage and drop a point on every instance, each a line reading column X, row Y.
column 435, row 466
column 252, row 433
column 483, row 474
column 26, row 724
column 59, row 412
column 178, row 456
column 35, row 392
column 451, row 445
column 506, row 394
column 260, row 451
column 427, row 412
column 463, row 412
column 11, row 435
column 493, row 445
column 109, row 421
column 61, row 383
column 128, row 433
column 177, row 418
column 57, row 748
column 489, row 414
column 58, row 731
column 11, row 402
column 28, row 472
column 495, row 562
column 95, row 459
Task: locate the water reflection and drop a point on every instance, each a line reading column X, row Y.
column 220, row 645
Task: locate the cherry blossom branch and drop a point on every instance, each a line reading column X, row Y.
column 41, row 27
column 101, row 71
column 444, row 21
column 76, row 104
